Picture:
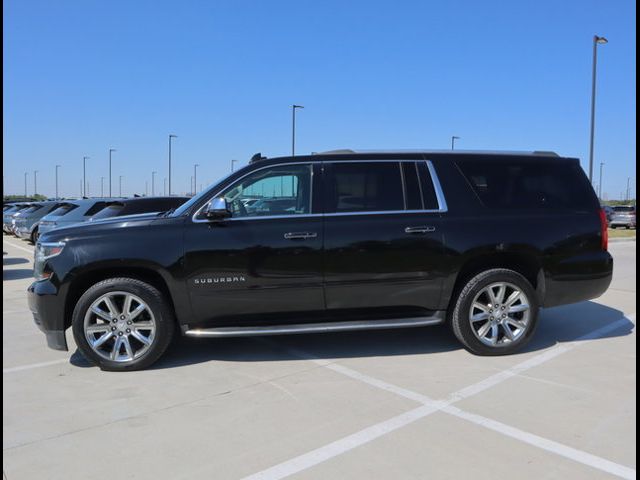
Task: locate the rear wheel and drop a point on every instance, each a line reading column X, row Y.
column 495, row 313
column 122, row 324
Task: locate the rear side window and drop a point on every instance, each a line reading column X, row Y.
column 624, row 209
column 539, row 185
column 366, row 187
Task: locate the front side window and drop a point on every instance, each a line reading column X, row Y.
column 277, row 190
column 366, row 187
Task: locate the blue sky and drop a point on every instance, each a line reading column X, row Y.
column 82, row 76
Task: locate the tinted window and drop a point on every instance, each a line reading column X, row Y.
column 110, row 211
column 63, row 210
column 32, row 209
column 412, row 186
column 95, row 208
column 279, row 190
column 535, row 185
column 426, row 186
column 624, row 209
column 366, row 187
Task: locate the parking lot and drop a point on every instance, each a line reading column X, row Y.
column 381, row 404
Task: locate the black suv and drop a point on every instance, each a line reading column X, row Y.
column 480, row 241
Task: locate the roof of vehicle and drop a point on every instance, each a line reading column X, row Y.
column 380, row 154
column 146, row 199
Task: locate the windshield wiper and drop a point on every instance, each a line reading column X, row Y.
column 167, row 213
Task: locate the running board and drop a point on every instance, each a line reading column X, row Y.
column 324, row 327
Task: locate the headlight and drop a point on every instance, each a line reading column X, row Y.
column 45, row 251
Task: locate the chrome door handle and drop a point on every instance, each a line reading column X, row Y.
column 300, row 235
column 425, row 229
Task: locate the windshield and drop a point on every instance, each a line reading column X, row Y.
column 624, row 209
column 32, row 209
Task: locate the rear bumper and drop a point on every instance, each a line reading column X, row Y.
column 47, row 308
column 578, row 279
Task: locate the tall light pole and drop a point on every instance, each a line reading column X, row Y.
column 111, row 150
column 84, row 176
column 170, row 137
column 293, row 129
column 628, row 192
column 232, row 163
column 146, row 188
column 102, row 187
column 453, row 140
column 120, row 186
column 153, row 183
column 25, row 184
column 600, row 185
column 195, row 178
column 164, row 186
column 57, row 167
column 596, row 41
column 35, row 182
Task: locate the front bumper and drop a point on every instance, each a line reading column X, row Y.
column 47, row 306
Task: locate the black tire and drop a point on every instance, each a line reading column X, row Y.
column 33, row 238
column 162, row 312
column 459, row 314
column 627, row 227
column 613, row 227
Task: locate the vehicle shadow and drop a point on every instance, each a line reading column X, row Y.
column 14, row 261
column 17, row 274
column 557, row 325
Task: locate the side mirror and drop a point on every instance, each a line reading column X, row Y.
column 217, row 209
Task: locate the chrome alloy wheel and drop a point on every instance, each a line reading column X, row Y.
column 499, row 314
column 119, row 326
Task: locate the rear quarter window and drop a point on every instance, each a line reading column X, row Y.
column 529, row 185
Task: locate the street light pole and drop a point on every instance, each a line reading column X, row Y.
column 164, row 186
column 293, row 129
column 57, row 167
column 35, row 182
column 170, row 137
column 84, row 176
column 232, row 162
column 111, row 150
column 25, row 184
column 596, row 40
column 453, row 140
column 195, row 177
column 102, row 187
column 628, row 193
column 120, row 186
column 153, row 184
column 600, row 186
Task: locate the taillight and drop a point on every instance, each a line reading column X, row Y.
column 603, row 230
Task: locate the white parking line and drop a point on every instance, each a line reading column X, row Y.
column 34, row 365
column 430, row 406
column 19, row 247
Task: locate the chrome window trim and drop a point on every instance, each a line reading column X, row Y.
column 442, row 203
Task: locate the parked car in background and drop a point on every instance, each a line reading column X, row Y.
column 9, row 215
column 609, row 212
column 136, row 206
column 623, row 216
column 27, row 223
column 365, row 241
column 72, row 211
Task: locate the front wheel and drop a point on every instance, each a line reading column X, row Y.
column 495, row 313
column 122, row 324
